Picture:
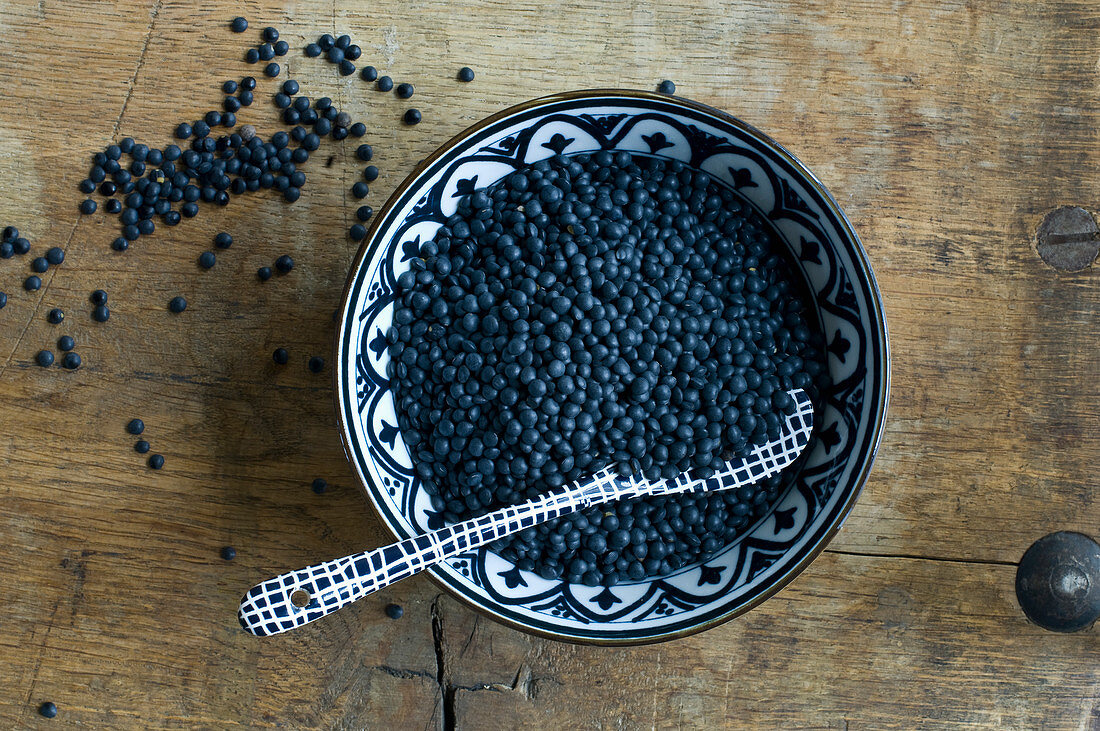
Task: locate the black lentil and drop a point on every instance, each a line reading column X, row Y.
column 47, row 710
column 264, row 273
column 71, row 361
column 3, row 299
column 141, row 446
column 666, row 87
column 363, row 213
column 98, row 297
column 466, row 74
column 32, row 283
column 364, row 152
column 238, row 25
column 280, row 356
column 343, row 41
column 385, row 83
column 55, row 316
column 223, row 240
column 251, row 56
column 335, row 55
column 357, row 232
column 403, row 90
column 88, row 206
column 593, row 310
column 101, row 313
column 316, row 364
column 282, row 48
column 358, row 129
column 319, row 486
column 44, row 358
column 156, row 461
column 290, row 87
column 229, row 86
column 20, row 245
column 368, row 73
column 370, row 173
column 122, row 244
column 11, row 233
column 326, row 42
column 55, row 255
column 412, row 116
column 284, row 264
column 394, row 611
column 39, row 265
column 347, row 68
column 112, row 205
column 360, row 190
column 248, row 83
column 353, row 52
column 228, row 553
column 135, row 426
column 87, row 186
column 207, row 259
column 271, row 70
column 65, row 343
column 177, row 305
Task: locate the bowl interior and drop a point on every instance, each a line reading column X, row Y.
column 823, row 248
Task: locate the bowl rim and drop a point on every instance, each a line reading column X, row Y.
column 859, row 256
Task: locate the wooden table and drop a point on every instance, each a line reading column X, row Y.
column 946, row 130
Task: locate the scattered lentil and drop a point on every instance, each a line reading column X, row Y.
column 98, row 297
column 207, row 259
column 39, row 265
column 71, row 361
column 135, row 426
column 284, row 264
column 370, row 173
column 264, row 273
column 364, row 152
column 404, row 90
column 394, row 611
column 55, row 255
column 101, row 313
column 44, row 358
column 228, row 553
column 238, row 25
column 353, row 52
column 357, row 232
column 65, row 343
column 363, row 213
column 313, row 50
column 88, row 206
column 271, row 70
column 32, row 283
column 316, row 364
column 280, row 356
column 368, row 73
column 47, row 710
column 466, row 74
column 360, row 190
column 412, row 116
column 141, row 446
column 177, row 305
column 347, row 68
column 55, row 316
column 385, row 83
column 156, row 461
column 666, row 87
column 319, row 486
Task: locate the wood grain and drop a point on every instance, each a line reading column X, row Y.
column 945, row 129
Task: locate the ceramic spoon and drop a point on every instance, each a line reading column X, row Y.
column 299, row 597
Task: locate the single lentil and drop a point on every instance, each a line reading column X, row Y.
column 177, row 305
column 412, row 116
column 316, row 364
column 263, row 273
column 368, row 73
column 385, row 83
column 101, row 313
column 271, row 70
column 71, row 361
column 156, row 461
column 47, row 710
column 141, row 446
column 280, row 356
column 364, row 152
column 55, row 316
column 238, row 25
column 207, row 259
column 363, row 213
column 135, row 426
column 32, row 283
column 357, row 232
column 55, row 255
column 319, row 486
column 394, row 611
column 284, row 264
column 228, row 553
column 666, row 87
column 44, row 358
column 403, row 90
column 466, row 74
column 65, row 343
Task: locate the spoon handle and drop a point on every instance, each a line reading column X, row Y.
column 296, row 598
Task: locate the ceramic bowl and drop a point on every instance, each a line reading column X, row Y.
column 824, row 248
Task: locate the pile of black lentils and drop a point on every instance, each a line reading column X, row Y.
column 593, row 310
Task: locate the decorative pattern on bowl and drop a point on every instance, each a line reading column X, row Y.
column 824, row 249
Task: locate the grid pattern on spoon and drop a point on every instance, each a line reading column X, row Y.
column 270, row 608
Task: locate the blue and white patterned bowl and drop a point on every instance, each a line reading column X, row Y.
column 826, row 250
